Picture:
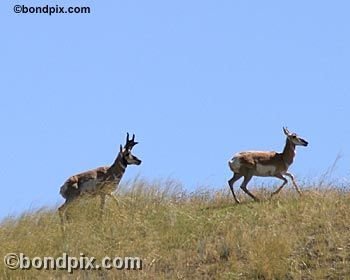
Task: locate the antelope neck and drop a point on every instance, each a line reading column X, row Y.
column 288, row 152
column 118, row 167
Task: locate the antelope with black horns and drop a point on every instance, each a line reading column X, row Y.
column 101, row 181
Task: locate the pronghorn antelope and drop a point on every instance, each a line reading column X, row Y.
column 101, row 181
column 265, row 164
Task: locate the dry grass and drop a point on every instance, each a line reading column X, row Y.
column 199, row 235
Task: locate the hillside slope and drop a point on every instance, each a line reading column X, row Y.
column 200, row 235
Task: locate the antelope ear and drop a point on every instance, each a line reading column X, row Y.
column 121, row 148
column 285, row 130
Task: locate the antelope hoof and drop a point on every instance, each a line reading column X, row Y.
column 274, row 193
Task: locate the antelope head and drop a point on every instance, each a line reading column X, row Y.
column 125, row 152
column 294, row 138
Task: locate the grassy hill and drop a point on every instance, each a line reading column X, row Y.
column 199, row 235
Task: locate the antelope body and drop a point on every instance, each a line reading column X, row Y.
column 265, row 164
column 101, row 181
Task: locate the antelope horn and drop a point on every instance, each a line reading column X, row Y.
column 286, row 131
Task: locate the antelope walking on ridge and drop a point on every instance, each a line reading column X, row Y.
column 101, row 181
column 265, row 164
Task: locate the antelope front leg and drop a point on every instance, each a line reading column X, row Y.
column 114, row 199
column 290, row 175
column 279, row 176
column 102, row 205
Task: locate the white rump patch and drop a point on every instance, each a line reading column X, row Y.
column 235, row 164
column 63, row 190
column 265, row 170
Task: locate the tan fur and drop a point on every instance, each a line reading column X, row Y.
column 265, row 164
column 102, row 180
column 250, row 160
column 80, row 181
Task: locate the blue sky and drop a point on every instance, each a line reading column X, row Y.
column 196, row 81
